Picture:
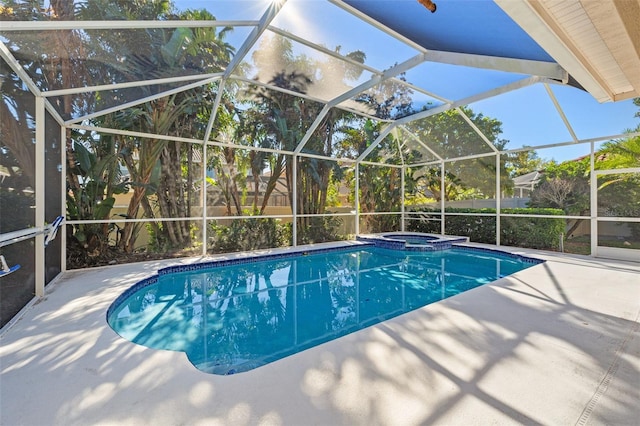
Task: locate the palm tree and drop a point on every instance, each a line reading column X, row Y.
column 624, row 153
column 621, row 154
column 156, row 117
column 154, row 164
column 284, row 119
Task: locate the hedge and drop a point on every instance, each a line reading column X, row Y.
column 530, row 232
column 249, row 234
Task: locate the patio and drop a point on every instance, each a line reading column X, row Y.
column 548, row 345
column 169, row 129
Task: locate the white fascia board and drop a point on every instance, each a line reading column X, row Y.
column 524, row 14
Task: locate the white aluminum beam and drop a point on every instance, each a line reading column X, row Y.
column 519, row 66
column 437, row 110
column 6, row 54
column 386, row 75
column 214, row 111
column 376, row 142
column 498, row 199
column 54, row 113
column 593, row 198
column 560, row 111
column 357, row 198
column 374, row 163
column 40, row 196
column 580, row 141
column 140, row 83
column 402, row 199
column 325, row 110
column 366, row 18
column 323, row 49
column 399, row 147
column 213, row 143
column 375, row 80
column 140, row 101
column 63, row 196
column 442, row 198
column 618, row 171
column 294, row 202
column 269, row 15
column 420, row 90
column 424, row 145
column 476, row 129
column 116, row 25
column 528, row 67
column 519, row 84
column 276, row 88
column 451, row 160
column 305, row 96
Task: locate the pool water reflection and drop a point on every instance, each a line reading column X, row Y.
column 231, row 319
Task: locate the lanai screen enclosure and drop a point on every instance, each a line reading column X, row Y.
column 163, row 129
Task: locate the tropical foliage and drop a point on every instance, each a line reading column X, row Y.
column 146, row 162
column 480, row 226
column 566, row 185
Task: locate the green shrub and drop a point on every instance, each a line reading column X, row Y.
column 427, row 223
column 480, row 229
column 319, row 229
column 383, row 223
column 530, row 232
column 249, row 234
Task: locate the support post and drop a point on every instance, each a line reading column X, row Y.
column 63, row 197
column 294, row 202
column 203, row 197
column 593, row 180
column 498, row 199
column 357, row 199
column 39, row 195
column 442, row 193
column 402, row 170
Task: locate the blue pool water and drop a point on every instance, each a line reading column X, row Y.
column 230, row 318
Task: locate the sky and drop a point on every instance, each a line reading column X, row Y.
column 528, row 115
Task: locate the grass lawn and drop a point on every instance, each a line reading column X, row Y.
column 582, row 244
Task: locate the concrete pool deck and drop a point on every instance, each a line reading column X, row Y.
column 555, row 344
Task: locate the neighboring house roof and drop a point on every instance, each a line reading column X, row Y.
column 528, row 180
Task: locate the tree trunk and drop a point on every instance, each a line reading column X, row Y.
column 149, row 154
column 273, row 181
column 128, row 236
column 576, row 224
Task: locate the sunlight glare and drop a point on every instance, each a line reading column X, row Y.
column 291, row 19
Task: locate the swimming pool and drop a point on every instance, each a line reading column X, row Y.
column 236, row 315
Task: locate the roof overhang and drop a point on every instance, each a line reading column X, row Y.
column 597, row 42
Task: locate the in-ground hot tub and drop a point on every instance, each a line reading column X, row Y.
column 413, row 241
